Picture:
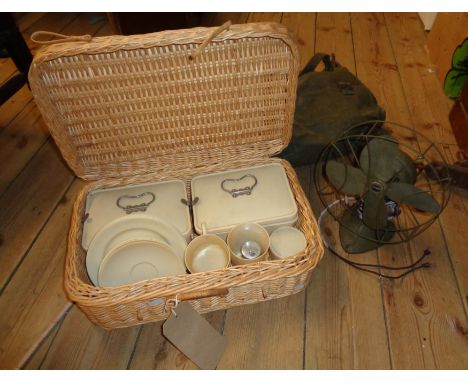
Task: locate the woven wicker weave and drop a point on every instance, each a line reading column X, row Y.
column 132, row 109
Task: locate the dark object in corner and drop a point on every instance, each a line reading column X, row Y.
column 128, row 23
column 459, row 119
column 328, row 103
column 13, row 45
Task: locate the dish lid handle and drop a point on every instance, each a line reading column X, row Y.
column 235, row 192
column 141, row 207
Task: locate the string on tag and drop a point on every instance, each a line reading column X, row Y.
column 38, row 38
column 171, row 304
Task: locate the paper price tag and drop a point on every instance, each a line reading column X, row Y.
column 194, row 336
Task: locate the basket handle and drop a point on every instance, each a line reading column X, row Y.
column 211, row 36
column 202, row 294
column 37, row 37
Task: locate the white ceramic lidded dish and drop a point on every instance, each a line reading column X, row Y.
column 158, row 200
column 259, row 194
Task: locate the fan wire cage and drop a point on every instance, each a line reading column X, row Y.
column 404, row 220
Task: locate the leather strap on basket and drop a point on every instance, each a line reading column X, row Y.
column 38, row 38
column 196, row 52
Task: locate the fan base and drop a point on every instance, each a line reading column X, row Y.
column 356, row 237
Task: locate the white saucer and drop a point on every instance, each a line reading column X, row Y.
column 135, row 261
column 132, row 227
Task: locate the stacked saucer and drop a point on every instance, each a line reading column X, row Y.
column 134, row 248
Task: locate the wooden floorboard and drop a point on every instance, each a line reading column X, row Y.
column 7, row 69
column 27, row 205
column 427, row 105
column 20, row 141
column 33, row 195
column 235, row 17
column 14, row 106
column 420, row 308
column 33, row 184
column 37, row 358
column 433, row 297
column 346, row 327
column 456, row 234
column 334, row 35
column 429, row 111
column 303, row 26
column 153, row 351
column 344, row 319
column 34, row 300
column 28, row 19
column 81, row 345
column 272, row 335
column 256, row 17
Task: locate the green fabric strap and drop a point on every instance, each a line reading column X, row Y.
column 315, row 60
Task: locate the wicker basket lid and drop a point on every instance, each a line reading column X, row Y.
column 128, row 105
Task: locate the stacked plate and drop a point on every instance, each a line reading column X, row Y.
column 135, row 248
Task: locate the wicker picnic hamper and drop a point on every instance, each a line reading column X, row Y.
column 173, row 105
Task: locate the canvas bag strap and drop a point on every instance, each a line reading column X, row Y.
column 315, row 60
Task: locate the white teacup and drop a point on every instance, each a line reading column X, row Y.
column 206, row 253
column 248, row 243
column 286, row 242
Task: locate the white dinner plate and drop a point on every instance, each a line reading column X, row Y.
column 135, row 261
column 132, row 227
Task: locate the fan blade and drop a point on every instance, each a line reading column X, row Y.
column 377, row 157
column 345, row 178
column 356, row 237
column 404, row 169
column 408, row 194
column 375, row 210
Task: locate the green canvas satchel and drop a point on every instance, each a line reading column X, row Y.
column 328, row 103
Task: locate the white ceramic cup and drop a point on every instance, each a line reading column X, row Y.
column 246, row 235
column 286, row 242
column 206, row 253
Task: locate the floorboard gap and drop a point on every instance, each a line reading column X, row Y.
column 26, row 252
column 25, row 165
column 132, row 354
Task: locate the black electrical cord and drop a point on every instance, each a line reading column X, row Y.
column 410, row 268
column 361, row 266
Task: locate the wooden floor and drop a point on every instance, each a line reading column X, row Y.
column 344, row 320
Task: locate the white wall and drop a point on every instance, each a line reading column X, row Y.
column 427, row 19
